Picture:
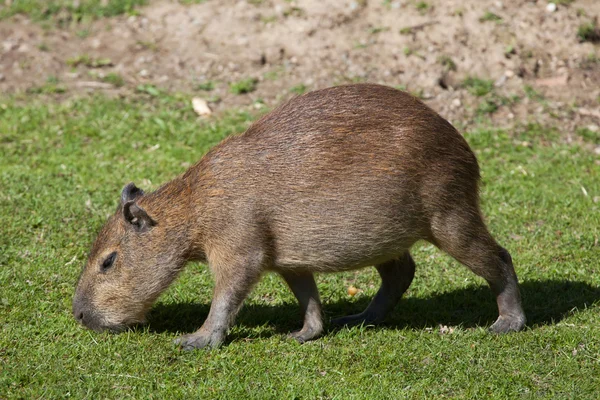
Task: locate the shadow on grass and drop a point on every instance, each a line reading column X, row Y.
column 546, row 302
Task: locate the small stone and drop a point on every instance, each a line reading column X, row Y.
column 509, row 73
column 551, row 7
column 593, row 128
column 597, row 150
column 7, row 45
column 144, row 73
column 456, row 103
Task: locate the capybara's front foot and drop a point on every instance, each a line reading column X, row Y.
column 506, row 324
column 200, row 340
column 306, row 334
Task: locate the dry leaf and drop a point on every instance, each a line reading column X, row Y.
column 201, row 107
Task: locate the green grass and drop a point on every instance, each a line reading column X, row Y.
column 487, row 106
column 114, row 79
column 61, row 170
column 298, row 89
column 477, row 86
column 41, row 10
column 533, row 94
column 52, row 86
column 88, row 61
column 243, row 86
column 422, row 7
column 447, row 62
column 589, row 32
column 206, row 86
column 490, row 17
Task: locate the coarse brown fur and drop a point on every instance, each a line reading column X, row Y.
column 333, row 180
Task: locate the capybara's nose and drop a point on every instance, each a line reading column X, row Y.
column 78, row 312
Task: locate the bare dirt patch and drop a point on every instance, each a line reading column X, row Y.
column 532, row 65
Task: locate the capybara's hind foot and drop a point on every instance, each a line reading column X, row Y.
column 506, row 324
column 356, row 319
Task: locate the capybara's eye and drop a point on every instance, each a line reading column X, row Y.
column 108, row 262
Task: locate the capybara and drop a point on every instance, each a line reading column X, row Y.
column 333, row 180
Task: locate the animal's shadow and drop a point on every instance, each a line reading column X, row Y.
column 545, row 302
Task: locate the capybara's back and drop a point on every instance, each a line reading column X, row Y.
column 335, row 179
column 342, row 178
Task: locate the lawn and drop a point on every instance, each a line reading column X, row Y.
column 64, row 11
column 62, row 166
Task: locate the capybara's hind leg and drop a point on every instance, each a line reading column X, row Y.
column 463, row 235
column 396, row 277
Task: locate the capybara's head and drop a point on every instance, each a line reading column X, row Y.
column 130, row 264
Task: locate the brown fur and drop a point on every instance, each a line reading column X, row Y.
column 333, row 180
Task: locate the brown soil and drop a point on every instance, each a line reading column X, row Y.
column 319, row 43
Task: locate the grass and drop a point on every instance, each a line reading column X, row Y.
column 206, row 86
column 298, row 89
column 374, row 30
column 422, row 7
column 533, row 94
column 477, row 86
column 51, row 86
column 88, row 61
column 41, row 10
column 243, row 86
column 61, row 170
column 447, row 62
column 148, row 89
column 114, row 79
column 490, row 17
column 487, row 106
column 589, row 32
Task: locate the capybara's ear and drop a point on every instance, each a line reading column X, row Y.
column 130, row 193
column 137, row 217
